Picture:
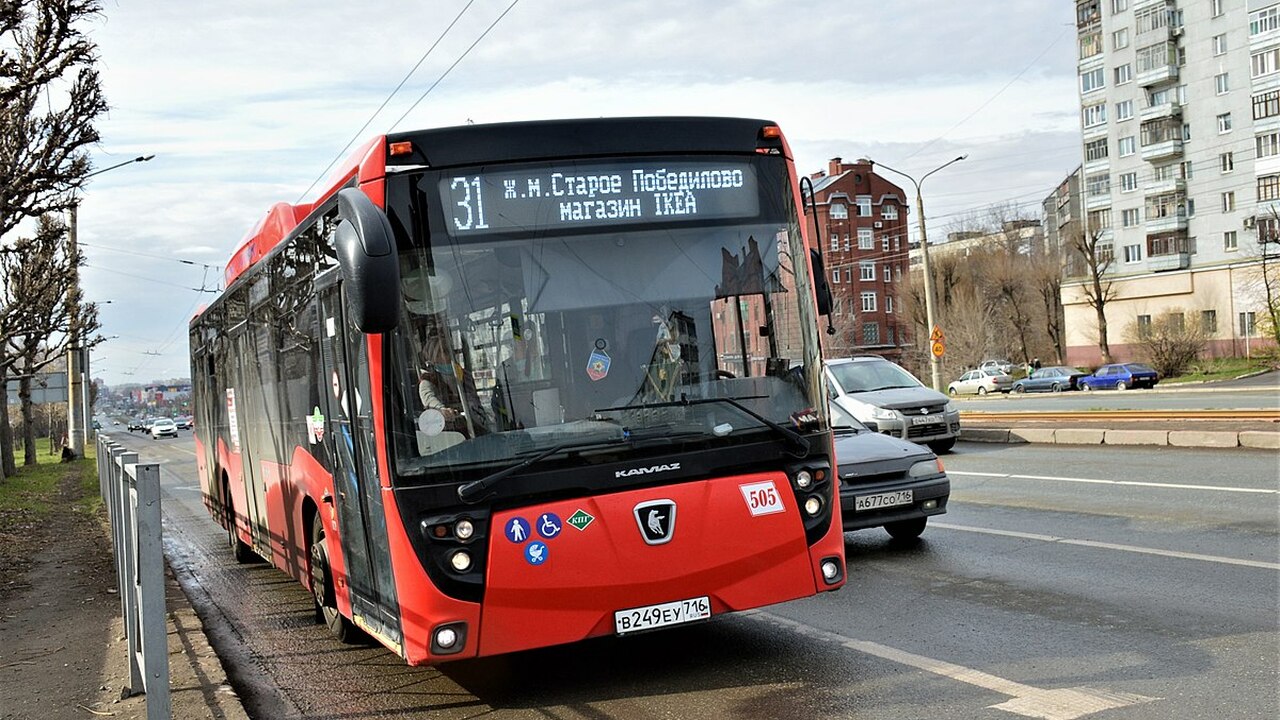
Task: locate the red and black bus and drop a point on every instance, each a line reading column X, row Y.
column 514, row 385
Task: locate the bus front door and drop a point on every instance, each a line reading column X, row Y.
column 357, row 486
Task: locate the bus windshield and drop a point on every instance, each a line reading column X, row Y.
column 591, row 308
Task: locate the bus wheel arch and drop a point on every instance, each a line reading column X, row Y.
column 323, row 589
column 240, row 550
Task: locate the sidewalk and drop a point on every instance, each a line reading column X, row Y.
column 1173, row 433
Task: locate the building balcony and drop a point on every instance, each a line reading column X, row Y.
column 1172, row 261
column 1161, row 150
column 1165, row 185
column 1164, row 110
column 1093, row 201
column 1168, row 223
column 1160, row 75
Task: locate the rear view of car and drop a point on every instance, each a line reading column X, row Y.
column 889, row 400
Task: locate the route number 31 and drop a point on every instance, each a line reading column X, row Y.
column 472, row 204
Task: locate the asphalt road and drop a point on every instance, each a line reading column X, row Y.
column 1064, row 582
column 1259, row 392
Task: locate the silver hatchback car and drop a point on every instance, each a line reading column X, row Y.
column 889, row 400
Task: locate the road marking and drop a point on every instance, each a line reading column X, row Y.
column 1111, row 546
column 1171, row 486
column 1026, row 700
column 187, row 488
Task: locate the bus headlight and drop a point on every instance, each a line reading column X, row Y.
column 804, row 479
column 464, row 530
column 461, row 561
column 813, row 505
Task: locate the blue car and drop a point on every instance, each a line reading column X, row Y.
column 1120, row 376
column 1050, row 379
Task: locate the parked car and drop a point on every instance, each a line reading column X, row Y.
column 1003, row 366
column 885, row 481
column 163, row 427
column 981, row 382
column 1120, row 376
column 889, row 400
column 1055, row 378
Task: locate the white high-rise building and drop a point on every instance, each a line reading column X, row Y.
column 1180, row 118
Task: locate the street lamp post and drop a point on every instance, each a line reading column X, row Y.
column 935, row 362
column 77, row 356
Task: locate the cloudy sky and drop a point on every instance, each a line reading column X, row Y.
column 246, row 103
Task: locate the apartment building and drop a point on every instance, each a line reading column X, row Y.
column 1180, row 119
column 862, row 226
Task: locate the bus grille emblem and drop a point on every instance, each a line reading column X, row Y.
column 657, row 520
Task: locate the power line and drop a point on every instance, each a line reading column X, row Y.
column 150, row 255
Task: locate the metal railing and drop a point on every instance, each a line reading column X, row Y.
column 131, row 492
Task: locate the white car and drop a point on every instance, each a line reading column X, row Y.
column 889, row 400
column 164, row 427
column 981, row 382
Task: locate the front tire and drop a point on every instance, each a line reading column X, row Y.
column 906, row 529
column 240, row 550
column 322, row 589
column 1019, row 389
column 941, row 446
column 1085, row 387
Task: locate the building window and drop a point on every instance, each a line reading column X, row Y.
column 847, row 243
column 888, row 304
column 866, row 239
column 1224, row 123
column 1091, row 44
column 868, row 302
column 1268, row 187
column 866, row 271
column 1209, row 321
column 1191, row 207
column 1131, row 217
column 1155, row 132
column 848, row 275
column 1124, row 110
column 888, row 335
column 1229, row 201
column 884, row 243
column 835, row 243
column 888, row 276
column 1265, row 62
column 1221, row 84
column 1155, row 57
column 1128, row 182
column 870, row 333
column 1099, row 219
column 1124, row 74
column 1227, row 161
column 889, row 212
column 1186, row 132
column 1166, row 244
column 1120, row 39
column 1127, row 146
column 1266, row 105
column 835, row 276
column 839, row 211
column 1264, row 20
column 1267, row 145
column 1095, row 115
column 1152, row 18
column 1230, row 242
column 1215, row 8
column 864, row 205
column 1144, row 324
column 1248, row 324
column 1095, row 150
column 1097, row 185
column 1219, row 44
column 1185, row 168
column 1119, row 6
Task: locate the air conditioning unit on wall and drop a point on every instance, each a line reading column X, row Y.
column 1250, row 222
column 879, row 224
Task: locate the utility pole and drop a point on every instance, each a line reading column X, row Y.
column 77, row 354
column 935, row 362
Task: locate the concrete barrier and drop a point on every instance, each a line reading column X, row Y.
column 992, row 435
column 1136, row 437
column 1204, row 438
column 1260, row 439
column 1032, row 435
column 1079, row 436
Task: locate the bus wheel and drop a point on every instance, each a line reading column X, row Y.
column 322, row 592
column 240, row 550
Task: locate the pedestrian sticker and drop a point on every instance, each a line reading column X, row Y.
column 536, row 553
column 598, row 365
column 581, row 519
column 517, row 530
column 549, row 525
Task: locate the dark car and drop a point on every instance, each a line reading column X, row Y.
column 1120, row 376
column 1055, row 378
column 884, row 481
column 137, row 424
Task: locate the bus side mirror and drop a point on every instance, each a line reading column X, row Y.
column 820, row 287
column 368, row 262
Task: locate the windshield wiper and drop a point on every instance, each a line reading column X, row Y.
column 885, row 387
column 793, row 438
column 477, row 490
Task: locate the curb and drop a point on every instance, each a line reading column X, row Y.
column 1256, row 439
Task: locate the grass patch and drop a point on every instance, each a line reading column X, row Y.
column 35, row 488
column 1219, row 369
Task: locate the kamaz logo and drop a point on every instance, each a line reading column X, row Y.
column 646, row 470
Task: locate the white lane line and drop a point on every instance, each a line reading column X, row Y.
column 1171, row 486
column 1111, row 546
column 1025, row 700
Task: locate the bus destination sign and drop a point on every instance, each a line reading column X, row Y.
column 598, row 195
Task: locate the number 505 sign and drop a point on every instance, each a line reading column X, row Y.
column 762, row 498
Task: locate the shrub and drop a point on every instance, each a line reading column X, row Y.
column 1169, row 343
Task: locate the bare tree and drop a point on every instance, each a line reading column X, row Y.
column 1046, row 277
column 50, row 95
column 35, row 282
column 1095, row 255
column 1267, row 276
